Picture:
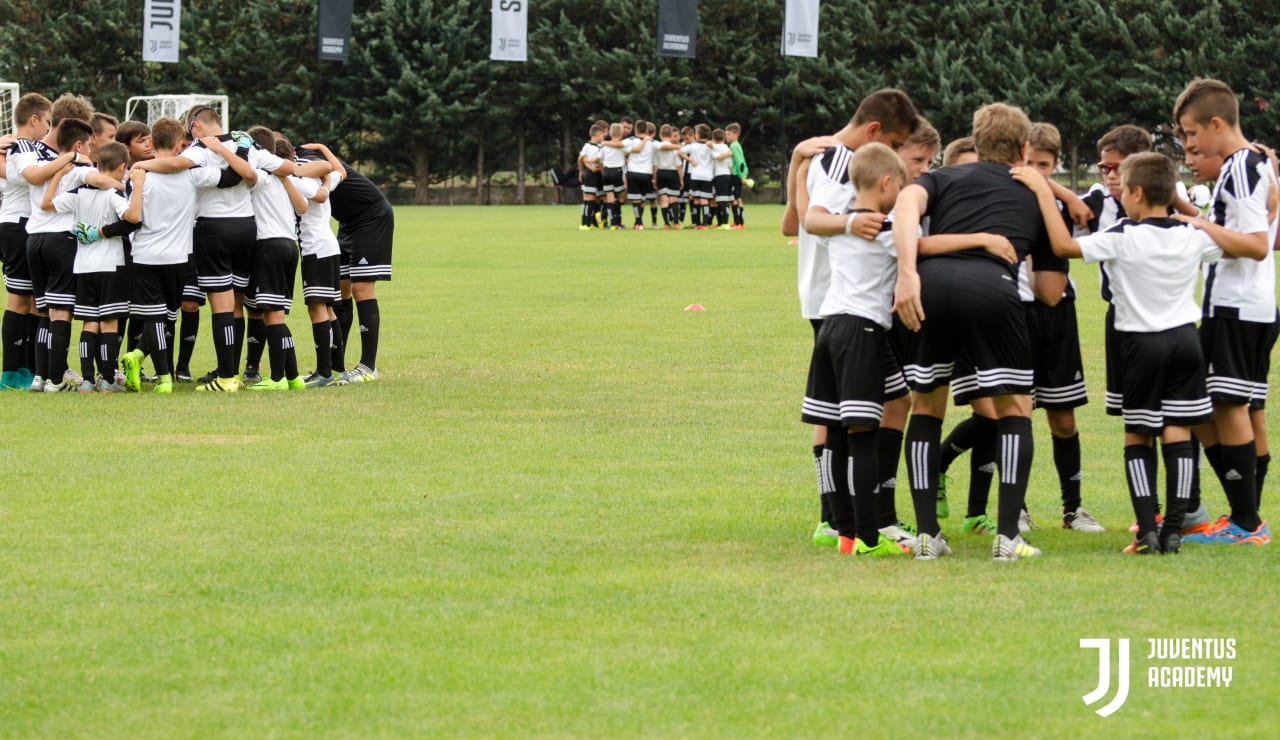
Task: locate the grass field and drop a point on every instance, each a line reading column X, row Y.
column 569, row 508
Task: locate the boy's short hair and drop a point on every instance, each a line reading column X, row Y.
column 283, row 147
column 873, row 161
column 202, row 113
column 111, row 155
column 264, row 137
column 686, row 130
column 717, row 135
column 1206, row 99
column 601, row 122
column 72, row 130
column 71, row 106
column 615, row 130
column 891, row 107
column 1155, row 173
column 956, row 148
column 31, row 104
column 100, row 119
column 130, row 130
column 925, row 135
column 665, row 131
column 733, row 128
column 166, row 133
column 1125, row 140
column 702, row 131
column 999, row 131
column 598, row 129
column 1046, row 138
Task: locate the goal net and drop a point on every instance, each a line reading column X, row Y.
column 148, row 108
column 8, row 107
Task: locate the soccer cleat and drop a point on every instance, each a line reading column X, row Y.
column 150, row 378
column 584, row 227
column 107, row 386
column 1025, row 522
column 267, row 384
column 1170, row 543
column 1205, row 532
column 207, row 376
column 930, row 547
column 73, row 377
column 220, row 385
column 885, row 547
column 1148, row 544
column 296, row 383
column 362, row 374
column 183, row 376
column 1003, row 548
column 37, row 384
column 1081, row 521
column 638, row 227
column 319, row 381
column 944, row 508
column 1196, row 521
column 132, row 364
column 164, row 385
column 899, row 532
column 1134, row 527
column 12, row 380
column 825, row 536
column 65, row 386
column 846, row 545
column 1233, row 534
column 251, row 376
column 980, row 524
column 87, row 386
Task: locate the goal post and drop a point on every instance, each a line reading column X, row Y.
column 148, row 108
column 9, row 94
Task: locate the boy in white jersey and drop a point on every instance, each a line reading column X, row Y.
column 670, row 175
column 18, row 328
column 1153, row 266
column 591, row 172
column 101, row 287
column 701, row 172
column 721, row 179
column 321, row 286
column 854, row 370
column 641, row 170
column 613, row 159
column 163, row 244
column 1238, row 329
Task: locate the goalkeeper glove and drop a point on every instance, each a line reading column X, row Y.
column 86, row 234
column 242, row 140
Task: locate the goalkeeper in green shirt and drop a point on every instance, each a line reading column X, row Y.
column 738, row 172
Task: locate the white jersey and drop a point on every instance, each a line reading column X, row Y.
column 100, row 207
column 666, row 159
column 612, row 157
column 641, row 162
column 590, row 153
column 52, row 222
column 315, row 236
column 829, row 187
column 702, row 167
column 15, row 206
column 863, row 274
column 721, row 166
column 1153, row 266
column 1245, row 285
column 169, row 205
column 233, row 202
column 272, row 210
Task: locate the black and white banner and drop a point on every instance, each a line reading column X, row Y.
column 800, row 29
column 334, row 29
column 160, row 24
column 677, row 28
column 510, row 39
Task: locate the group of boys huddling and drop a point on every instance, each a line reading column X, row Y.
column 695, row 169
column 126, row 227
column 919, row 283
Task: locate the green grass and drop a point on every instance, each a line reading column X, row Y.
column 569, row 508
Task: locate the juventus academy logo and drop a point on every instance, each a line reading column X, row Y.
column 791, row 39
column 1103, row 646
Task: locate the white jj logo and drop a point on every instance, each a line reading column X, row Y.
column 1104, row 674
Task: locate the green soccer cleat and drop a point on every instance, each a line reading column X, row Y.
column 944, row 508
column 220, row 385
column 164, row 384
column 825, row 536
column 132, row 364
column 884, row 548
column 297, row 383
column 267, row 384
column 980, row 524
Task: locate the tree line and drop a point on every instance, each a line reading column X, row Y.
column 419, row 100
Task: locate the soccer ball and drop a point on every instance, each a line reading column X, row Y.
column 748, row 183
column 1199, row 196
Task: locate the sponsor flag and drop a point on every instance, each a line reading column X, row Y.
column 800, row 29
column 677, row 28
column 509, row 40
column 334, row 33
column 161, row 20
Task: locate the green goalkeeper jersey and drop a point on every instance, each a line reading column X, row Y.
column 739, row 162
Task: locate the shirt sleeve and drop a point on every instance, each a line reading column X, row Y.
column 120, row 205
column 307, row 187
column 19, row 161
column 66, row 203
column 1208, row 249
column 197, row 154
column 261, row 159
column 1100, row 247
column 1249, row 206
column 825, row 187
column 204, row 177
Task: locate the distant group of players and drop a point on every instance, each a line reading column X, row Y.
column 128, row 227
column 695, row 170
column 920, row 284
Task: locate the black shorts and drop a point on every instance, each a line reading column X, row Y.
column 640, row 186
column 592, row 182
column 224, row 252
column 972, row 312
column 275, row 264
column 612, row 180
column 669, row 182
column 1164, row 380
column 157, row 290
column 1115, row 364
column 52, row 259
column 735, row 187
column 102, row 296
column 700, row 189
column 13, row 252
column 191, row 292
column 852, row 373
column 366, row 247
column 1239, row 357
column 723, row 187
column 1055, row 350
column 321, row 282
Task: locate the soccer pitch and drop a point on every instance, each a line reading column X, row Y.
column 568, row 508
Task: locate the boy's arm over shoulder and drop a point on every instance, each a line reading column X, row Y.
column 1232, row 243
column 1059, row 238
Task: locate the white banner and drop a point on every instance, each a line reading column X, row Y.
column 510, row 31
column 800, row 29
column 160, row 24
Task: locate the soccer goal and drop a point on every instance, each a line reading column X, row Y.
column 148, row 108
column 9, row 95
